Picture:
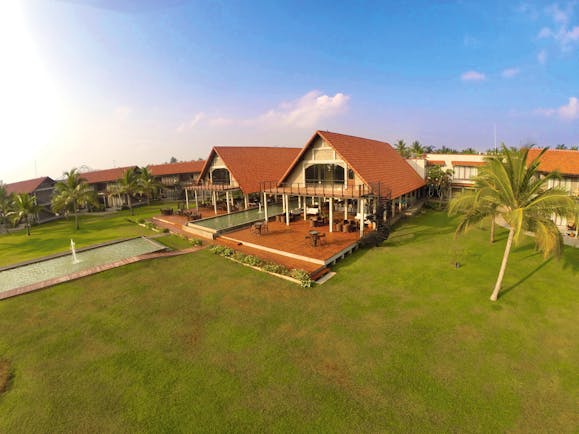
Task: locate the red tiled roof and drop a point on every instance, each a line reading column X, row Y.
column 250, row 165
column 563, row 160
column 176, row 168
column 27, row 186
column 372, row 160
column 468, row 163
column 435, row 162
column 107, row 175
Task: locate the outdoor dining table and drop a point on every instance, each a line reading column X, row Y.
column 315, row 236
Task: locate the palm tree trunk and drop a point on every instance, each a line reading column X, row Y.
column 495, row 293
column 76, row 225
column 492, row 229
column 130, row 204
column 27, row 226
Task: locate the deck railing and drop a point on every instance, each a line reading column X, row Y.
column 209, row 186
column 325, row 190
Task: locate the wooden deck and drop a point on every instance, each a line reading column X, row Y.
column 291, row 242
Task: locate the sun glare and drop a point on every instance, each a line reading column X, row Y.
column 30, row 108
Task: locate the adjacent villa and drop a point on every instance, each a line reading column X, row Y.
column 174, row 177
column 231, row 176
column 40, row 189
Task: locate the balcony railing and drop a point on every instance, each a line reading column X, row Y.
column 209, row 186
column 325, row 190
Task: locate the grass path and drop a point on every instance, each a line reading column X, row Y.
column 398, row 341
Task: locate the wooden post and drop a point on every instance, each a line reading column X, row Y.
column 331, row 214
column 362, row 217
column 287, row 210
column 265, row 207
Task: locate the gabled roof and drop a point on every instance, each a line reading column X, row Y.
column 468, row 163
column 372, row 160
column 250, row 165
column 176, row 168
column 107, row 175
column 28, row 186
column 563, row 160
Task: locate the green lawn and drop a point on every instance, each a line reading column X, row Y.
column 398, row 341
column 54, row 237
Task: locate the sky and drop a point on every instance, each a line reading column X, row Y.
column 112, row 83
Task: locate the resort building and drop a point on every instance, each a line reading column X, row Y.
column 39, row 188
column 351, row 181
column 566, row 162
column 104, row 182
column 230, row 178
column 174, row 177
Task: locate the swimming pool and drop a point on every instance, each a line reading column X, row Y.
column 28, row 274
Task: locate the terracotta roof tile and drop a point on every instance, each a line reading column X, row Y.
column 176, row 168
column 565, row 161
column 107, row 175
column 372, row 160
column 468, row 163
column 27, row 186
column 250, row 165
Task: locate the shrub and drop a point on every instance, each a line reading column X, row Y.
column 303, row 277
column 141, row 220
column 239, row 256
column 253, row 260
column 165, row 230
column 196, row 242
column 217, row 249
column 276, row 268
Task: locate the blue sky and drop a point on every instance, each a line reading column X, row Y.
column 111, row 83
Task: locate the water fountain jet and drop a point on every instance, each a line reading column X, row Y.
column 73, row 250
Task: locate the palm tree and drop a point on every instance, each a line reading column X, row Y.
column 469, row 151
column 402, row 149
column 6, row 206
column 24, row 207
column 128, row 185
column 438, row 181
column 147, row 184
column 72, row 193
column 417, row 149
column 513, row 188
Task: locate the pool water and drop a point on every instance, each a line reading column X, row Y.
column 225, row 221
column 61, row 266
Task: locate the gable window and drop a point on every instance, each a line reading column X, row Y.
column 220, row 177
column 465, row 172
column 325, row 174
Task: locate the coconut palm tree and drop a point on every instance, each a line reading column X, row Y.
column 128, row 185
column 25, row 207
column 416, row 149
column 72, row 193
column 147, row 184
column 512, row 187
column 402, row 149
column 6, row 206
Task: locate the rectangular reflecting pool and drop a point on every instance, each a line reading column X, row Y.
column 61, row 266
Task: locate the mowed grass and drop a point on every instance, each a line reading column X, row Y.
column 54, row 237
column 398, row 341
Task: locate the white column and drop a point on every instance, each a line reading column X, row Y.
column 299, row 201
column 362, row 217
column 287, row 210
column 227, row 202
column 246, row 201
column 305, row 208
column 266, row 218
column 214, row 198
column 345, row 209
column 186, row 198
column 331, row 214
column 196, row 201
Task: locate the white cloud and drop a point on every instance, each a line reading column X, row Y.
column 473, row 76
column 571, row 110
column 122, row 112
column 510, row 72
column 307, row 111
column 304, row 112
column 558, row 15
column 542, row 57
column 568, row 111
column 564, row 34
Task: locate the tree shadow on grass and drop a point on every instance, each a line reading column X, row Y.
column 525, row 278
